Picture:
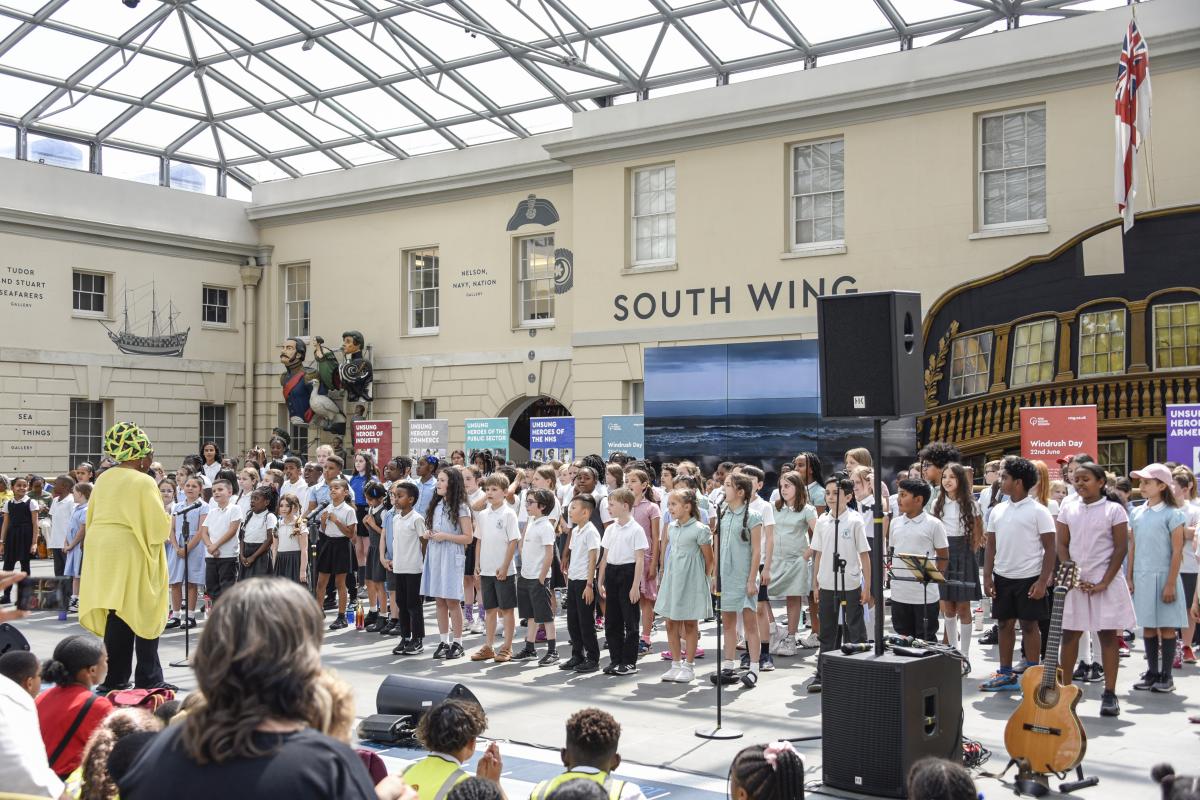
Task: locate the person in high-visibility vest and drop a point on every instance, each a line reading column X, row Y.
column 449, row 731
column 591, row 754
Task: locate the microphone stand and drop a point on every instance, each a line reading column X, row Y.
column 719, row 732
column 877, row 540
column 839, row 572
column 187, row 618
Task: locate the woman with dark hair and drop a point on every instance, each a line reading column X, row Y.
column 123, row 585
column 257, row 730
column 809, row 467
column 69, row 712
column 212, row 460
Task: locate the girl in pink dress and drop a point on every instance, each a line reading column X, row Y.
column 1094, row 533
column 649, row 516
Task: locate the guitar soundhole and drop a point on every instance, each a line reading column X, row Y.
column 1047, row 697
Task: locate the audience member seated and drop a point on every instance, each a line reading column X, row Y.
column 257, row 731
column 22, row 668
column 70, row 711
column 92, row 780
column 449, row 731
column 939, row 779
column 591, row 755
column 767, row 772
column 23, row 767
column 579, row 789
column 476, row 788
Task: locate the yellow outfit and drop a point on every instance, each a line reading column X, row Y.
column 434, row 776
column 613, row 786
column 125, row 563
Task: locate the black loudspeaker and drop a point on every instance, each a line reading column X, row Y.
column 881, row 714
column 11, row 639
column 406, row 695
column 871, row 352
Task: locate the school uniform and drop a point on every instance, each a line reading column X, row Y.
column 915, row 604
column 442, row 574
column 850, row 543
column 581, row 616
column 494, row 529
column 299, row 489
column 402, row 546
column 60, row 521
column 645, row 513
column 622, row 618
column 74, row 559
column 373, row 568
column 193, row 566
column 335, row 555
column 287, row 552
column 1152, row 527
column 220, row 571
column 734, row 564
column 1018, row 528
column 533, row 594
column 962, row 569
column 259, row 528
column 766, row 514
column 473, row 498
column 20, row 534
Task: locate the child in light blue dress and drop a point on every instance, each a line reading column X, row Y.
column 739, row 544
column 448, row 531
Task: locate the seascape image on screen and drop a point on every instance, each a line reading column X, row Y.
column 757, row 403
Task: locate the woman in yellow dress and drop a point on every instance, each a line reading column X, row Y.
column 123, row 588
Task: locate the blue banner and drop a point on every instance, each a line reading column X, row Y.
column 626, row 434
column 551, row 439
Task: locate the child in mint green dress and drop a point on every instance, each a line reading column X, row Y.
column 683, row 596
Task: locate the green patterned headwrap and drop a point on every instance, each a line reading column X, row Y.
column 126, row 442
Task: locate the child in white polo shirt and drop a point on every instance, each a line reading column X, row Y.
column 404, row 558
column 533, row 589
column 915, row 606
column 625, row 546
column 497, row 535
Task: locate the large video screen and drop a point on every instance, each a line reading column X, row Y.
column 756, row 403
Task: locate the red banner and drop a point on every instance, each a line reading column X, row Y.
column 1052, row 432
column 374, row 437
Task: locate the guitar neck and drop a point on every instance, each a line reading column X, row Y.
column 1053, row 639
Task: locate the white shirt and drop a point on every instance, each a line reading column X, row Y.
column 1190, row 508
column 1018, row 528
column 257, row 527
column 60, row 521
column 766, row 512
column 406, row 542
column 210, row 471
column 343, row 512
column 583, row 540
column 538, row 534
column 299, row 488
column 495, row 528
column 952, row 518
column 288, row 542
column 23, row 765
column 523, row 510
column 218, row 522
column 851, row 541
column 921, row 535
column 623, row 541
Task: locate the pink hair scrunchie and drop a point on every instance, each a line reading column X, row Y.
column 771, row 752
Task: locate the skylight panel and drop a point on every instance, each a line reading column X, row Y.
column 380, row 53
column 317, row 127
column 317, row 66
column 153, row 128
column 824, row 22
column 250, row 19
column 88, row 115
column 364, row 153
column 136, row 78
column 47, row 52
column 542, row 120
column 447, row 40
column 596, row 15
column 266, row 132
column 505, row 82
column 441, row 103
column 730, row 38
column 860, row 53
column 260, row 80
column 481, row 132
column 921, row 10
column 18, row 95
column 128, row 165
column 379, row 110
column 262, row 171
column 421, row 142
column 311, row 163
column 106, row 18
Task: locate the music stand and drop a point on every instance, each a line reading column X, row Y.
column 922, row 569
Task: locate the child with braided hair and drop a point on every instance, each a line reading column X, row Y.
column 739, row 542
column 772, row 771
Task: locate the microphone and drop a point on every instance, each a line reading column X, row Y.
column 898, row 641
column 316, row 512
column 863, row 647
column 192, row 507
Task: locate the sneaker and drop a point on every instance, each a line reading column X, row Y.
column 599, row 623
column 750, row 679
column 643, row 646
column 173, row 622
column 745, row 660
column 402, row 648
column 611, row 669
column 455, row 651
column 392, row 628
column 369, row 622
column 811, row 641
column 329, row 604
column 485, row 653
column 1095, row 673
column 1189, row 655
column 525, row 653
column 1148, row 681
column 990, row 636
column 1163, row 685
column 73, row 608
column 699, row 652
column 1123, row 650
column 584, row 667
column 766, row 663
column 476, row 626
column 687, row 673
column 1109, row 707
column 671, row 674
column 1081, row 672
column 191, row 622
column 1178, row 662
column 1000, row 682
column 338, row 623
column 503, row 655
column 814, row 686
column 414, row 647
column 725, row 677
column 666, row 655
column 1019, row 669
column 627, row 669
column 441, row 650
column 104, row 688
column 741, row 645
column 776, row 639
column 571, row 663
column 787, row 646
column 551, row 657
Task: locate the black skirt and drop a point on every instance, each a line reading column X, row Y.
column 375, row 570
column 334, row 555
column 287, row 565
column 962, row 572
column 261, row 565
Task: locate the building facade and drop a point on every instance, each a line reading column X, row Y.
column 528, row 277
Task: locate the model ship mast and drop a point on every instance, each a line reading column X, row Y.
column 157, row 343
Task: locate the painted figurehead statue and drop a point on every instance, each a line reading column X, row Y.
column 355, row 370
column 306, row 394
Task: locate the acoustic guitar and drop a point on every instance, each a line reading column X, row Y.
column 1044, row 733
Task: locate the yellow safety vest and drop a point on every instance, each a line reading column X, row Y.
column 433, row 777
column 615, row 787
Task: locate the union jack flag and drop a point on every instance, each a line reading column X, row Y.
column 1133, row 117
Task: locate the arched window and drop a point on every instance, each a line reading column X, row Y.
column 1033, row 352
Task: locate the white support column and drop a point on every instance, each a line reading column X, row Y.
column 251, row 275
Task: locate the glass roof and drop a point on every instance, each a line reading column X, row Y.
column 266, row 89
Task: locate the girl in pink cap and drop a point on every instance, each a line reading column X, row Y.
column 1094, row 533
column 1155, row 556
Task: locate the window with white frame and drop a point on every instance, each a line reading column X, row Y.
column 423, row 295
column 214, row 306
column 1177, row 335
column 213, row 425
column 1113, row 456
column 818, row 197
column 296, row 300
column 653, row 214
column 89, row 293
column 535, row 279
column 1159, row 448
column 1012, row 167
column 85, row 431
column 424, row 409
column 970, row 365
column 1033, row 352
column 1102, row 342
